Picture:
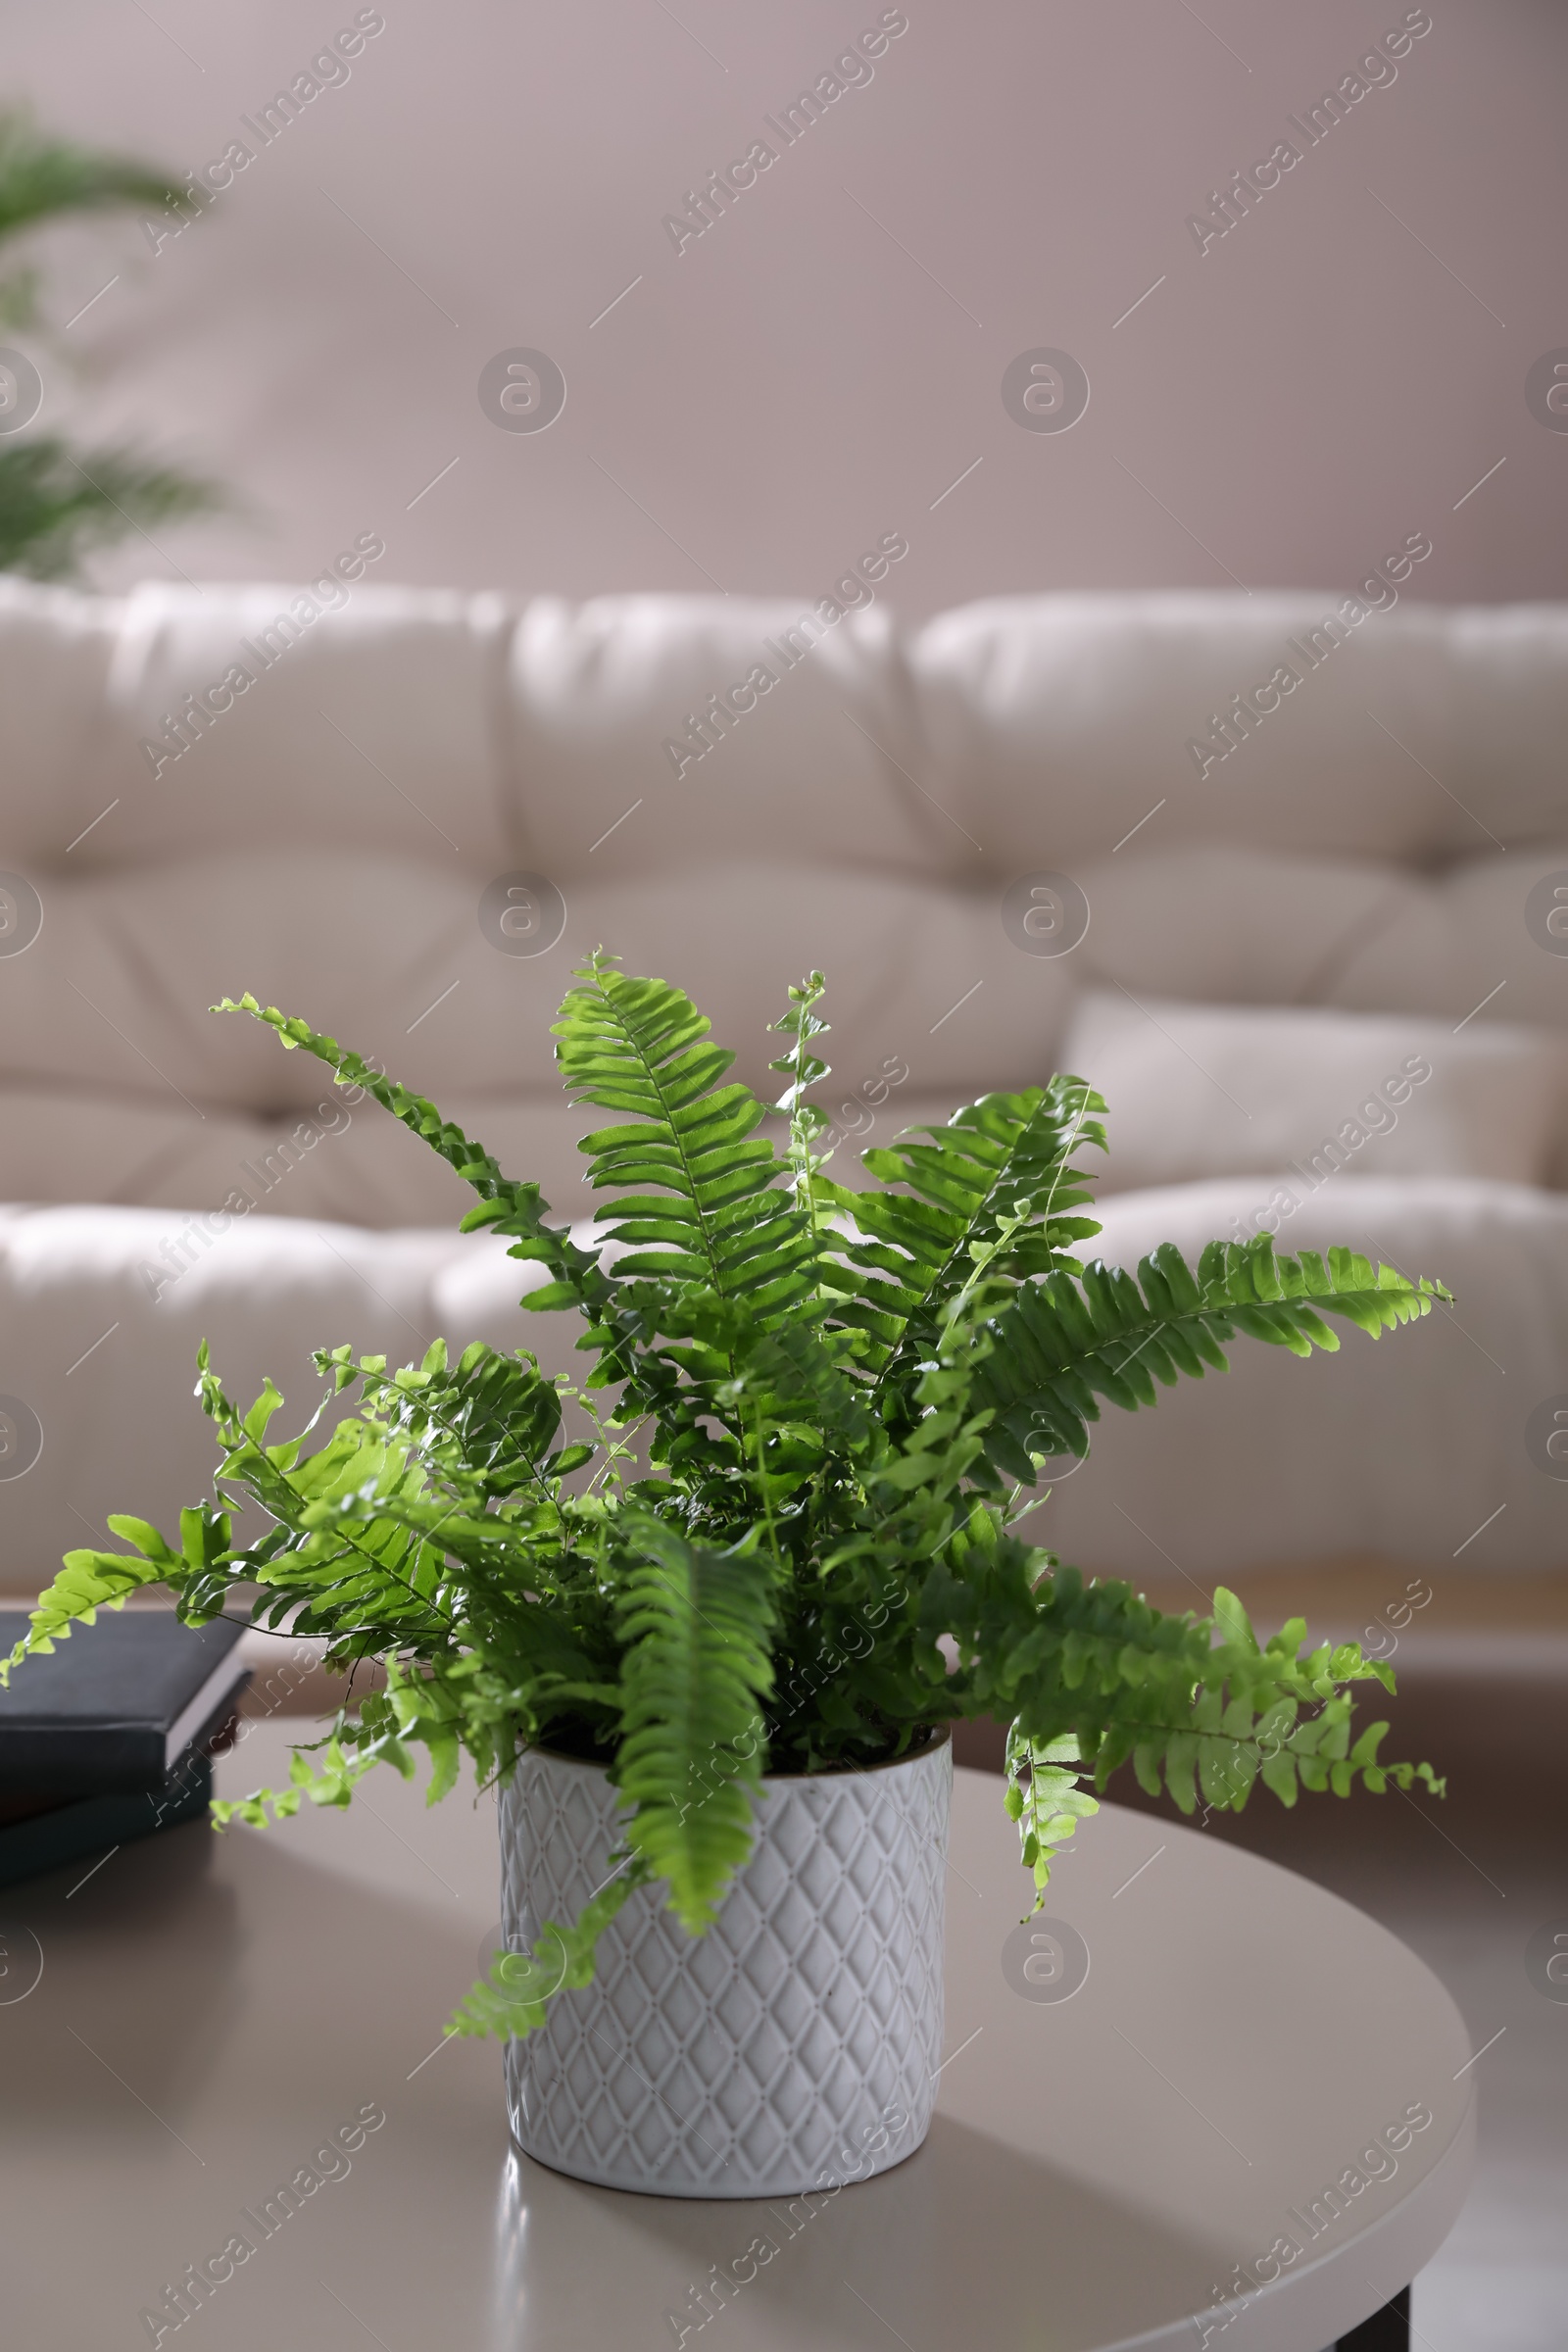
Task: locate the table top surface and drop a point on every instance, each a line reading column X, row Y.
column 182, row 2032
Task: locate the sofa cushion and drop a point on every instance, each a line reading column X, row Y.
column 1412, row 1447
column 328, row 840
column 1409, row 733
column 102, row 1311
column 1233, row 925
column 1213, row 1090
column 119, row 1083
column 1403, row 1447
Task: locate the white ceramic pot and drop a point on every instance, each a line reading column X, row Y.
column 795, row 2045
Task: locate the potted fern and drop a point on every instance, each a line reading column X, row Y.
column 707, row 1652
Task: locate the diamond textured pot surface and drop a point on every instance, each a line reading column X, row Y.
column 792, row 2046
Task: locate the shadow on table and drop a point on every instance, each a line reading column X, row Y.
column 171, row 1930
column 191, row 1957
column 929, row 2251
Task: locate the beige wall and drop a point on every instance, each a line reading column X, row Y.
column 817, row 368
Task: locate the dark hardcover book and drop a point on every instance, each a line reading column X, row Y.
column 114, row 1709
column 51, row 1834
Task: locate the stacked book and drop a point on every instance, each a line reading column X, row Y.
column 111, row 1738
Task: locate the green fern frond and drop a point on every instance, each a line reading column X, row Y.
column 1047, row 1799
column 797, row 1375
column 332, row 1783
column 1070, row 1339
column 1202, row 1718
column 694, row 1673
column 1273, row 1711
column 514, row 1999
column 993, row 1189
column 90, row 1579
column 491, row 1419
column 700, row 1189
column 506, row 1208
column 804, row 1068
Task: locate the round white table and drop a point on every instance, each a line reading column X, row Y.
column 1120, row 2157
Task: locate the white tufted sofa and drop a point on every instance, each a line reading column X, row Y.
column 325, row 839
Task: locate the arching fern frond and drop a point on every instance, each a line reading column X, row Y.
column 1071, row 1339
column 507, row 1206
column 1092, row 1677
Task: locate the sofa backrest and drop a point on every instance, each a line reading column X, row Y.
column 310, row 796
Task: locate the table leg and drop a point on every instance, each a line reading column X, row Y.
column 1387, row 2331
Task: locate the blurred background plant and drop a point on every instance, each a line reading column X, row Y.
column 59, row 503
